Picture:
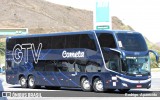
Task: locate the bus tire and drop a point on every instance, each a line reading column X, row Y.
column 85, row 85
column 124, row 90
column 98, row 85
column 31, row 82
column 23, row 82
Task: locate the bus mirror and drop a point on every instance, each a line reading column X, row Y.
column 122, row 54
column 156, row 55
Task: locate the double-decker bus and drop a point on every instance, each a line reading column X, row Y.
column 96, row 60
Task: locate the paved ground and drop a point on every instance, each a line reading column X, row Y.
column 65, row 92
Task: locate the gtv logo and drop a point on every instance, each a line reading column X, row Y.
column 18, row 54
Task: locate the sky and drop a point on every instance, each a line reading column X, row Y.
column 142, row 15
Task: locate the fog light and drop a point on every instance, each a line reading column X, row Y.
column 124, row 84
column 149, row 85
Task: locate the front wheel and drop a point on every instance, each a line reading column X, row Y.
column 123, row 90
column 31, row 82
column 85, row 85
column 98, row 85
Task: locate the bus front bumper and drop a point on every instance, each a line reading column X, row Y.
column 125, row 83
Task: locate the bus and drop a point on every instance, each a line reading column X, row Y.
column 95, row 60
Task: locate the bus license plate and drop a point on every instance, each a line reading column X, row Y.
column 139, row 86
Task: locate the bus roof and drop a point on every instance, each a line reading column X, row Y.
column 69, row 33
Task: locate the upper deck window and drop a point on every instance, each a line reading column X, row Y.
column 131, row 42
column 106, row 40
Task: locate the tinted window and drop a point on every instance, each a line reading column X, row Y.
column 11, row 43
column 72, row 41
column 106, row 40
column 131, row 42
column 21, row 41
column 62, row 66
column 35, row 41
column 112, row 60
column 58, row 42
column 50, row 66
column 39, row 66
column 87, row 41
column 92, row 68
column 46, row 42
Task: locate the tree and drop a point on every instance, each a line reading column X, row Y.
column 2, row 48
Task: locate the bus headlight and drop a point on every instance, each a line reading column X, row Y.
column 149, row 85
column 124, row 84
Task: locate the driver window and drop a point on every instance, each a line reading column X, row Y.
column 112, row 60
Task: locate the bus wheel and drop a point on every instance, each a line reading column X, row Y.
column 23, row 82
column 31, row 82
column 98, row 85
column 85, row 85
column 123, row 90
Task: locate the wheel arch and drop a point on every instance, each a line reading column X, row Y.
column 20, row 75
column 29, row 76
column 83, row 76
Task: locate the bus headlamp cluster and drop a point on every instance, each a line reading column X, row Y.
column 124, row 84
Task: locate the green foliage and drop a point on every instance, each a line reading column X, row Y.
column 2, row 48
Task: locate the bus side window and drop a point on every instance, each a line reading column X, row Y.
column 10, row 44
column 77, row 68
column 49, row 66
column 113, row 65
column 58, row 42
column 40, row 66
column 87, row 41
column 35, row 41
column 62, row 67
column 46, row 42
column 72, row 41
column 106, row 40
column 112, row 60
column 92, row 67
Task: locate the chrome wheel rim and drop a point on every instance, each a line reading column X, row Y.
column 86, row 84
column 99, row 85
column 31, row 82
column 23, row 81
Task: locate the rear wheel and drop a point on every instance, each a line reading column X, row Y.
column 123, row 90
column 98, row 85
column 23, row 82
column 31, row 82
column 85, row 85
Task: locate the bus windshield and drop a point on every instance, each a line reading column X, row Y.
column 136, row 65
column 131, row 42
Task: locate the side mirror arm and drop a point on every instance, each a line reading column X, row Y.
column 156, row 55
